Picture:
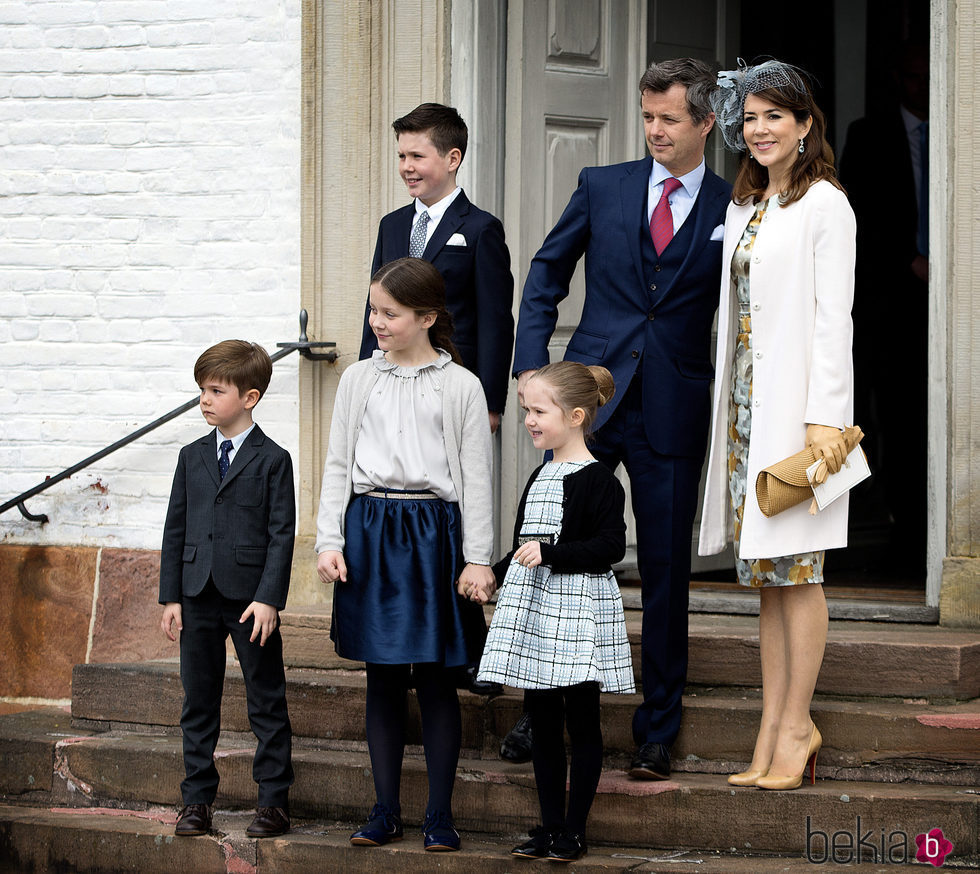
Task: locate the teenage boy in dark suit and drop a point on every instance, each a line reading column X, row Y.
column 463, row 242
column 224, row 569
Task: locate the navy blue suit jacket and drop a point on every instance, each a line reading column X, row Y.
column 238, row 531
column 624, row 324
column 479, row 287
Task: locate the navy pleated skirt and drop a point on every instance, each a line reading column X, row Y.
column 399, row 604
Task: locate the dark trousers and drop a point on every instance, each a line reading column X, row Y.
column 664, row 493
column 208, row 620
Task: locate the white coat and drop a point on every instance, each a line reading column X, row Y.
column 801, row 291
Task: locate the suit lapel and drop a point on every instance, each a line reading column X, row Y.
column 246, row 452
column 208, row 449
column 448, row 225
column 711, row 191
column 403, row 229
column 633, row 192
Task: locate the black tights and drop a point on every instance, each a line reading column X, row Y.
column 551, row 710
column 387, row 694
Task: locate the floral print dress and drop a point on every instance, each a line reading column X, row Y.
column 790, row 570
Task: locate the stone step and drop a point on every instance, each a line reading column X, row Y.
column 36, row 840
column 691, row 811
column 862, row 658
column 881, row 739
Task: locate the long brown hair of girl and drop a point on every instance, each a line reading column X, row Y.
column 416, row 284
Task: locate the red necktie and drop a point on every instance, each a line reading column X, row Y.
column 662, row 221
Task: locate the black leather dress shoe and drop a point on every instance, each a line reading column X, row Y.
column 567, row 847
column 269, row 822
column 516, row 745
column 651, row 762
column 481, row 687
column 194, row 819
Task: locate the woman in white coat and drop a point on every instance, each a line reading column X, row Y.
column 783, row 381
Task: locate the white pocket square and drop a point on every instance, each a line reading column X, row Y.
column 456, row 240
column 718, row 233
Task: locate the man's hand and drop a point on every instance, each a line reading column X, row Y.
column 494, row 421
column 920, row 268
column 477, row 583
column 522, row 379
column 266, row 620
column 171, row 616
column 330, row 566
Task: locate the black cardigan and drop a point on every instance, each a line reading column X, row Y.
column 593, row 530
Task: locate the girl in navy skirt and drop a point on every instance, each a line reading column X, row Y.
column 405, row 514
column 558, row 630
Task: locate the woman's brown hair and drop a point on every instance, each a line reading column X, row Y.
column 816, row 162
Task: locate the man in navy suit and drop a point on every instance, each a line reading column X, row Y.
column 651, row 233
column 224, row 570
column 463, row 242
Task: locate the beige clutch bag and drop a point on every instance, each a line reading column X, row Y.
column 785, row 484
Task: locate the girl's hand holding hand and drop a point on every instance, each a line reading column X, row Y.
column 477, row 583
column 827, row 443
column 528, row 554
column 330, row 566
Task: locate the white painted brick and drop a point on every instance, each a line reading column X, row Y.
column 136, row 162
column 127, row 85
column 13, row 13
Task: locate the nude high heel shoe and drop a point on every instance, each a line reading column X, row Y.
column 747, row 778
column 794, row 781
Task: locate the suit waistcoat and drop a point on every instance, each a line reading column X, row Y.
column 660, row 271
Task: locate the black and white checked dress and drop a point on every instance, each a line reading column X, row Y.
column 552, row 630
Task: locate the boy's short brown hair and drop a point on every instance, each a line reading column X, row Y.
column 443, row 125
column 242, row 364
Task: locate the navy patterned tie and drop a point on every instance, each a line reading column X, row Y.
column 416, row 245
column 223, row 461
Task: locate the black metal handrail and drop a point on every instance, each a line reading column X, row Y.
column 303, row 346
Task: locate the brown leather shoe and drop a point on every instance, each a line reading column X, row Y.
column 269, row 822
column 194, row 819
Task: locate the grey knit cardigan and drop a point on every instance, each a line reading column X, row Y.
column 466, row 432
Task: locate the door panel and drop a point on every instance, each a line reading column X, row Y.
column 572, row 102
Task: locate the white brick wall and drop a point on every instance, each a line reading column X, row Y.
column 149, row 207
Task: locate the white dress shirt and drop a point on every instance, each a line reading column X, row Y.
column 436, row 212
column 236, row 442
column 682, row 200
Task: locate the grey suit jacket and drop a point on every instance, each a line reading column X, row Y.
column 238, row 532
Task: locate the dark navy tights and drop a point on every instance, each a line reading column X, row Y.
column 387, row 696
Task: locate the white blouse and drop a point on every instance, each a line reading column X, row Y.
column 401, row 445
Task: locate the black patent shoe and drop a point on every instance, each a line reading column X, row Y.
column 567, row 848
column 516, row 745
column 651, row 762
column 382, row 827
column 537, row 847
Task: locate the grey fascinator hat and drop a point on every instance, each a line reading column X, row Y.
column 728, row 99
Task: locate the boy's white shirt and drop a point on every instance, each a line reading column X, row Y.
column 436, row 212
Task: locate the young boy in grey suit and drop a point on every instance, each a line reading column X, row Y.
column 224, row 570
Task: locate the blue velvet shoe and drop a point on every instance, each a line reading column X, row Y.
column 382, row 827
column 439, row 832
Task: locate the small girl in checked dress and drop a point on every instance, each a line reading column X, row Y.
column 558, row 630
